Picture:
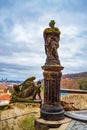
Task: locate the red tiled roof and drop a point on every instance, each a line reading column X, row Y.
column 5, row 96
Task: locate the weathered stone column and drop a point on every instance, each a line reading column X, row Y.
column 52, row 110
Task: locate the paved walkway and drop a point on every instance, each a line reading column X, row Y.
column 81, row 120
column 75, row 124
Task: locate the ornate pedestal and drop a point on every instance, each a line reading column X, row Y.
column 51, row 109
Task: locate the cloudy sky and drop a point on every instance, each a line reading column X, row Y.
column 21, row 36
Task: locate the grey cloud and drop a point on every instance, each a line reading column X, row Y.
column 18, row 71
column 32, row 17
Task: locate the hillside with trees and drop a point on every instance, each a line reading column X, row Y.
column 74, row 81
column 75, row 76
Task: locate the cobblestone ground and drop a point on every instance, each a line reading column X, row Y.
column 77, row 125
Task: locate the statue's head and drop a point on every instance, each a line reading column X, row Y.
column 16, row 88
column 38, row 82
column 52, row 23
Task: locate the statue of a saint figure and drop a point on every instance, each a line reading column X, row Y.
column 52, row 37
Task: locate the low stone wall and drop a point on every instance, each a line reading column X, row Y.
column 11, row 119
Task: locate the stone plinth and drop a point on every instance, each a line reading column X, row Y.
column 51, row 109
column 41, row 124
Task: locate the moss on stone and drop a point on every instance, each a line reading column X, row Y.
column 52, row 30
column 27, row 123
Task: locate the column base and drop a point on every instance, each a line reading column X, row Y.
column 52, row 113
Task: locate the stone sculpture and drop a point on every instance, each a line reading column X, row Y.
column 26, row 91
column 51, row 38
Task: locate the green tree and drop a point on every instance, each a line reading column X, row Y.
column 83, row 84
